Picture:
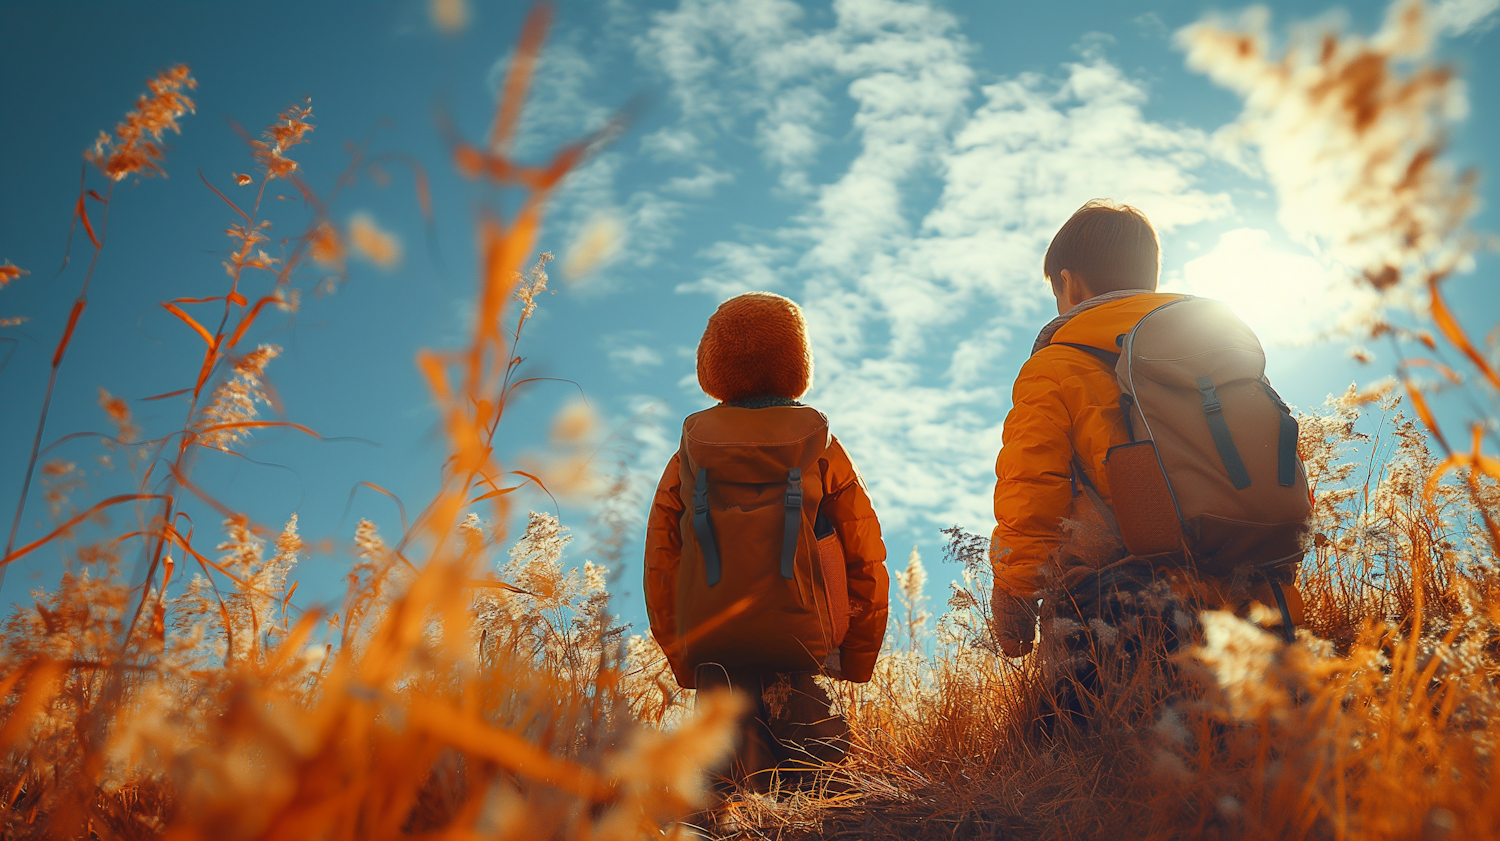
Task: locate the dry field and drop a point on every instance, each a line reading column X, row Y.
column 473, row 685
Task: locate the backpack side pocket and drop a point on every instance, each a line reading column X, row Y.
column 835, row 576
column 1143, row 500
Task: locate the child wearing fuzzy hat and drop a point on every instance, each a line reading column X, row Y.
column 764, row 561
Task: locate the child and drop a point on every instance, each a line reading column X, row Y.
column 1069, row 413
column 764, row 562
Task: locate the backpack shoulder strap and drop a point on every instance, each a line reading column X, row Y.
column 704, row 530
column 1107, row 357
column 1218, row 427
column 793, row 529
column 1082, row 484
column 1286, row 444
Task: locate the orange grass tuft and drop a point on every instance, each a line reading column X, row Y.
column 373, row 243
column 9, row 271
column 447, row 693
column 134, row 148
column 473, row 685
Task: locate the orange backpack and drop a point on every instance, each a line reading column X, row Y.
column 1211, row 477
column 762, row 581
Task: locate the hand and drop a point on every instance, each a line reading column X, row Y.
column 1015, row 624
column 833, row 664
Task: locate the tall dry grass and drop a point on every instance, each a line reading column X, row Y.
column 473, row 685
column 455, row 692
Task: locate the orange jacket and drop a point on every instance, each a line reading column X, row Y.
column 1066, row 402
column 846, row 503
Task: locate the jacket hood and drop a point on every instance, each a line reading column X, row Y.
column 1100, row 326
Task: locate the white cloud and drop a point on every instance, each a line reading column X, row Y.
column 1460, row 17
column 671, row 144
column 700, row 185
column 628, row 352
column 1348, row 130
column 911, row 307
column 739, row 268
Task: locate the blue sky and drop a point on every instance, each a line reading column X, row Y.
column 896, row 166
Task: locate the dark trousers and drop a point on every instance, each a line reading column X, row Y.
column 787, row 732
column 1109, row 649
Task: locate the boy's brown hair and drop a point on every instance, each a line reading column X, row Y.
column 1109, row 245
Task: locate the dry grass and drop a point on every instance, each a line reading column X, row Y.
column 464, row 691
column 448, row 694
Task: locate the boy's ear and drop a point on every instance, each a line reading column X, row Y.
column 1074, row 291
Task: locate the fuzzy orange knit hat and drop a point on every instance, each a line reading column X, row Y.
column 755, row 345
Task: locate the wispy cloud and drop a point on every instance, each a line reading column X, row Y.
column 737, row 268
column 1349, row 130
column 631, row 351
column 1461, row 17
column 911, row 305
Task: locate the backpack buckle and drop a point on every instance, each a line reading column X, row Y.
column 794, row 488
column 1210, row 394
column 700, row 493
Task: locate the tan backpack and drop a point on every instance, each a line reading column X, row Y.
column 1211, row 477
column 762, row 581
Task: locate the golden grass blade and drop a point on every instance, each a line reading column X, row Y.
column 73, row 521
column 506, row 749
column 518, row 79
column 232, row 205
column 1454, row 332
column 1424, row 413
column 88, row 227
column 202, row 331
column 43, row 680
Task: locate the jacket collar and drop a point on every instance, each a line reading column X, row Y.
column 1045, row 337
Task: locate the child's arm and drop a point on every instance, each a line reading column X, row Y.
column 1033, row 493
column 663, row 554
column 848, row 506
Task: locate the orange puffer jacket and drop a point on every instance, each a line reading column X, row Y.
column 1067, row 402
column 847, row 505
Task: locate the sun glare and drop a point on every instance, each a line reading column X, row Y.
column 1285, row 297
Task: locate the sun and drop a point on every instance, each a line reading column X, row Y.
column 1285, row 297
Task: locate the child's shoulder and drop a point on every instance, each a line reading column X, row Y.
column 751, row 422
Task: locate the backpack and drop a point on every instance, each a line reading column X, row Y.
column 762, row 581
column 1211, row 477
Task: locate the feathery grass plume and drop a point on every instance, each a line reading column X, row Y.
column 213, row 708
column 370, row 242
column 289, row 130
column 576, row 423
column 911, row 585
column 127, row 432
column 118, row 412
column 60, row 478
column 1350, row 132
column 648, row 684
column 531, row 284
column 134, row 147
column 326, row 247
column 236, row 402
column 10, row 271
